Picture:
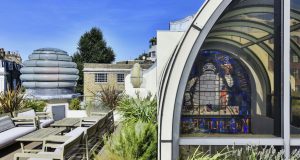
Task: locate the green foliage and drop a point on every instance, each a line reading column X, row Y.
column 37, row 106
column 247, row 153
column 136, row 141
column 92, row 48
column 79, row 62
column 74, row 104
column 141, row 56
column 153, row 41
column 135, row 109
column 11, row 100
column 108, row 96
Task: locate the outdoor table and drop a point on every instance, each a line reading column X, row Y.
column 38, row 136
column 67, row 122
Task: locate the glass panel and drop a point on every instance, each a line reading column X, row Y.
column 217, row 97
column 294, row 22
column 295, row 69
column 257, row 33
column 266, row 18
column 236, row 39
column 270, row 43
column 231, row 93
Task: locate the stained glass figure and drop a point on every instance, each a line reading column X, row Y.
column 217, row 98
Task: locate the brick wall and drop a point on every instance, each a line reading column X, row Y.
column 90, row 86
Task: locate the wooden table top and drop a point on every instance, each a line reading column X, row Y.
column 67, row 122
column 40, row 134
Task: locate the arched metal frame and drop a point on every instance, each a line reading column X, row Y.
column 206, row 28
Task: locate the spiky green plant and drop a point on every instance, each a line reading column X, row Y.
column 11, row 101
column 136, row 141
column 108, row 96
column 245, row 153
column 199, row 155
column 138, row 109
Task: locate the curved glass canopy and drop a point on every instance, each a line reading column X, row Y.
column 247, row 26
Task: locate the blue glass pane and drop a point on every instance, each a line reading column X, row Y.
column 218, row 96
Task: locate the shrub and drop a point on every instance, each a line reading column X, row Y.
column 109, row 96
column 38, row 106
column 135, row 109
column 135, row 141
column 247, row 152
column 74, row 104
column 11, row 101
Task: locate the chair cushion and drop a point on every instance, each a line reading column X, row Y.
column 9, row 136
column 29, row 113
column 75, row 133
column 45, row 122
column 6, row 123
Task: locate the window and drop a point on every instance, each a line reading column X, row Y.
column 153, row 54
column 101, row 77
column 217, row 97
column 120, row 77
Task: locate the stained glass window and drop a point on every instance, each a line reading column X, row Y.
column 218, row 96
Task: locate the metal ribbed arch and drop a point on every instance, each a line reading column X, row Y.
column 265, row 47
column 295, row 14
column 268, row 50
column 295, row 48
column 242, row 35
column 243, row 11
column 224, row 40
column 257, row 9
column 244, row 23
column 295, row 27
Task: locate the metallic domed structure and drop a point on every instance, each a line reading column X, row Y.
column 49, row 74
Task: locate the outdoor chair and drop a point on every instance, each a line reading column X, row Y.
column 110, row 121
column 89, row 126
column 91, row 139
column 57, row 147
column 44, row 119
column 13, row 128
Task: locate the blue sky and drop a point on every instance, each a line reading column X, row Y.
column 127, row 25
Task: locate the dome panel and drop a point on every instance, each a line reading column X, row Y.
column 49, row 74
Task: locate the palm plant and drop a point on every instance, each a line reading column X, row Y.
column 135, row 109
column 108, row 96
column 11, row 101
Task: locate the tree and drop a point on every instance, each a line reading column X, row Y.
column 153, row 41
column 142, row 56
column 92, row 48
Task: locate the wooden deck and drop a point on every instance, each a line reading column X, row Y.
column 8, row 152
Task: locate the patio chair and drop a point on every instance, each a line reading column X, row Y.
column 63, row 149
column 89, row 126
column 44, row 119
column 91, row 140
column 13, row 128
column 110, row 121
